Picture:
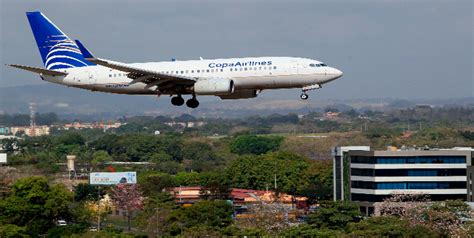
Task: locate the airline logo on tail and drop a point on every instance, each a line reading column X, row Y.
column 56, row 49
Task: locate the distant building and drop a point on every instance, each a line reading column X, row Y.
column 332, row 115
column 341, row 171
column 374, row 175
column 239, row 196
column 5, row 130
column 3, row 158
column 189, row 124
column 31, row 131
column 94, row 125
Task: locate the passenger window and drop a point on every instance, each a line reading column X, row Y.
column 192, row 71
column 222, row 70
column 182, row 72
column 198, row 71
column 260, row 68
column 274, row 67
column 245, row 69
column 177, row 72
column 230, row 69
column 207, row 71
column 110, row 76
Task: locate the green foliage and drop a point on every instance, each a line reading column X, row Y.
column 136, row 147
column 251, row 144
column 387, row 226
column 87, row 192
column 305, row 230
column 66, row 231
column 215, row 214
column 294, row 174
column 72, row 138
column 381, row 131
column 35, row 204
column 101, row 156
column 334, row 215
column 10, row 230
column 188, row 179
column 154, row 182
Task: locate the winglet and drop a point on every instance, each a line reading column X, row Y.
column 86, row 53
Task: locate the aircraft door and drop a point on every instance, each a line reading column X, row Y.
column 91, row 78
column 294, row 67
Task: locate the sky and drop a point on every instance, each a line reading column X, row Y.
column 399, row 49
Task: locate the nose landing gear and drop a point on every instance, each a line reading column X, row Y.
column 305, row 96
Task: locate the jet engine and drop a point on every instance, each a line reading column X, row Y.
column 214, row 86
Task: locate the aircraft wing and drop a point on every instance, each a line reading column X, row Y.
column 147, row 76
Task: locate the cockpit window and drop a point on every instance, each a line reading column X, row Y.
column 317, row 65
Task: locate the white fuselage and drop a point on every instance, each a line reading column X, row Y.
column 250, row 73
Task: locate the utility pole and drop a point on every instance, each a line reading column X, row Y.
column 98, row 208
column 276, row 182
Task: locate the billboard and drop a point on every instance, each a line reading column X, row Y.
column 3, row 158
column 112, row 178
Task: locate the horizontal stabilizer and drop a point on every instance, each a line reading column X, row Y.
column 39, row 70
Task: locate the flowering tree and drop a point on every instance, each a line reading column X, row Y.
column 406, row 205
column 127, row 197
column 446, row 218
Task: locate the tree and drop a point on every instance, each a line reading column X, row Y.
column 446, row 218
column 214, row 187
column 271, row 218
column 152, row 182
column 216, row 214
column 251, row 144
column 35, row 204
column 101, row 156
column 294, row 174
column 128, row 198
column 388, row 226
column 87, row 192
column 10, row 230
column 154, row 217
column 305, row 230
column 334, row 215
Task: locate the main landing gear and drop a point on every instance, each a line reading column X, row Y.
column 179, row 101
column 192, row 103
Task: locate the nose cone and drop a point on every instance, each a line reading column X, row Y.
column 336, row 73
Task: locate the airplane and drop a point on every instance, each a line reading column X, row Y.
column 70, row 63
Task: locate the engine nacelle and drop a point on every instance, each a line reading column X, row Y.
column 214, row 86
column 240, row 94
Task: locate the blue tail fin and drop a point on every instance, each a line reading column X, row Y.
column 56, row 49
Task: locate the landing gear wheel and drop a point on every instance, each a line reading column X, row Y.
column 177, row 101
column 304, row 96
column 192, row 103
